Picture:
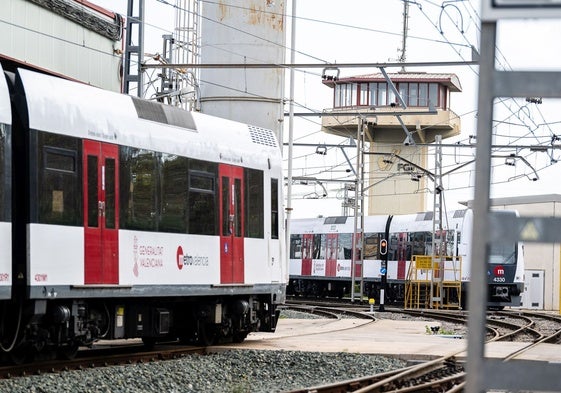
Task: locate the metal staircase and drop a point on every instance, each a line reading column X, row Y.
column 424, row 271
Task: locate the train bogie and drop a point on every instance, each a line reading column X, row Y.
column 132, row 219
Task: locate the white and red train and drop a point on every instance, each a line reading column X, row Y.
column 321, row 252
column 126, row 218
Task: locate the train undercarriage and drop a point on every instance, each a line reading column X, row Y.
column 48, row 329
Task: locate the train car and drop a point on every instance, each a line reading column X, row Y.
column 5, row 191
column 132, row 219
column 321, row 256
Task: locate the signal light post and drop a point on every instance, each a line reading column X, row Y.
column 383, row 271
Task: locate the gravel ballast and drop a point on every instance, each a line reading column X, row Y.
column 233, row 371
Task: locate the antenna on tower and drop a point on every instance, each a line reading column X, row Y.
column 403, row 56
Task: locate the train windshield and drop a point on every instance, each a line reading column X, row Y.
column 503, row 254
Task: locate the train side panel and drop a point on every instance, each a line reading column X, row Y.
column 5, row 190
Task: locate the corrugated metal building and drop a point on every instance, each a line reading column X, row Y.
column 73, row 38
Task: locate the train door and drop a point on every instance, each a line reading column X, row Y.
column 101, row 218
column 357, row 255
column 331, row 259
column 401, row 255
column 231, row 224
column 307, row 247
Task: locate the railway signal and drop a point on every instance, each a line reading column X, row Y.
column 383, row 247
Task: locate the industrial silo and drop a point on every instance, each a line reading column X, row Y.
column 243, row 32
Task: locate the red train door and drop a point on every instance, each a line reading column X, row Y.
column 101, row 208
column 231, row 224
column 307, row 247
column 331, row 260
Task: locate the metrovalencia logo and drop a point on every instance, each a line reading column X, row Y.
column 183, row 259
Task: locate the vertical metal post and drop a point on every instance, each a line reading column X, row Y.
column 477, row 299
column 438, row 238
column 134, row 53
column 357, row 206
column 290, row 129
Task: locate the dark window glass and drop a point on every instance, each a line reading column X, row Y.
column 423, row 94
column 503, row 253
column 295, row 246
column 413, row 94
column 254, row 219
column 274, row 208
column 345, row 246
column 226, row 229
column 319, row 246
column 3, row 186
column 421, row 243
column 139, row 180
column 58, row 184
column 238, row 207
column 92, row 192
column 110, row 193
column 173, row 212
column 433, row 94
column 203, row 201
column 60, row 159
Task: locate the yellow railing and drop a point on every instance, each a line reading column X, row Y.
column 434, row 282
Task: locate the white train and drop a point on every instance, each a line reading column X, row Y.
column 321, row 252
column 124, row 218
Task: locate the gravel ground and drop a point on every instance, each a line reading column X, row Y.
column 236, row 371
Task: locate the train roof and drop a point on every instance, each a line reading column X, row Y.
column 65, row 107
column 5, row 109
column 404, row 222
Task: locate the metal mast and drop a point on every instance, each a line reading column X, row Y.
column 403, row 56
column 134, row 52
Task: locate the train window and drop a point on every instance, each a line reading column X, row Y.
column 504, row 254
column 226, row 228
column 59, row 186
column 238, row 207
column 254, row 210
column 319, row 246
column 139, row 180
column 59, row 159
column 173, row 201
column 202, row 202
column 345, row 246
column 202, row 213
column 372, row 245
column 92, row 192
column 418, row 241
column 110, row 193
column 3, row 163
column 295, row 246
column 274, row 208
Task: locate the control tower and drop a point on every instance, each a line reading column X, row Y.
column 401, row 110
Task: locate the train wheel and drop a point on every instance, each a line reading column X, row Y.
column 209, row 335
column 239, row 336
column 149, row 342
column 67, row 352
column 20, row 355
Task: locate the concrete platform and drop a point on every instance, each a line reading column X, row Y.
column 401, row 338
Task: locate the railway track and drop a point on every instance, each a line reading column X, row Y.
column 102, row 357
column 446, row 374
